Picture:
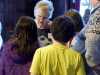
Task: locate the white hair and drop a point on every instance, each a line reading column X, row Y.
column 44, row 3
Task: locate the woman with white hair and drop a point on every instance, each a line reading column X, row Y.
column 43, row 12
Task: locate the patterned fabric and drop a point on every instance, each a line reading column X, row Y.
column 92, row 42
column 79, row 40
column 89, row 39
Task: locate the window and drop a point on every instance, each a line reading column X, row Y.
column 84, row 4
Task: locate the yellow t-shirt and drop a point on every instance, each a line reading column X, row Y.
column 56, row 59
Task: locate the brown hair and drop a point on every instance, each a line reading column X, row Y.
column 76, row 18
column 26, row 33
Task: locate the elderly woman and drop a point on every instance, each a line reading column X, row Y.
column 43, row 12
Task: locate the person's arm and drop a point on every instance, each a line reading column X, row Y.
column 35, row 66
column 78, row 42
column 80, row 67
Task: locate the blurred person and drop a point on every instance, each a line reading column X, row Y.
column 81, row 36
column 86, row 16
column 78, row 24
column 90, row 38
column 43, row 11
column 77, row 19
column 18, row 51
column 57, row 58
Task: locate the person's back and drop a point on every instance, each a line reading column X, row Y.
column 1, row 39
column 17, row 53
column 76, row 18
column 88, row 39
column 57, row 58
column 92, row 42
column 81, row 36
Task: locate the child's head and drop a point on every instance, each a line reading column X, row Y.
column 62, row 29
column 26, row 26
column 26, row 33
column 77, row 19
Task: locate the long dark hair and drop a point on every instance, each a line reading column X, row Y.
column 26, row 34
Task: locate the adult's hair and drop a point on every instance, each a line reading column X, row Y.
column 62, row 29
column 77, row 19
column 26, row 34
column 42, row 4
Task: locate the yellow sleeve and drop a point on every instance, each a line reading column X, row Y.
column 35, row 66
column 80, row 67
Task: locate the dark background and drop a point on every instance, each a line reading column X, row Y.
column 11, row 10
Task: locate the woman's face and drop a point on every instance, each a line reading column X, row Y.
column 42, row 17
column 41, row 21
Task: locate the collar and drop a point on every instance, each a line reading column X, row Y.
column 59, row 45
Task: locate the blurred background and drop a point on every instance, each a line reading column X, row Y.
column 11, row 10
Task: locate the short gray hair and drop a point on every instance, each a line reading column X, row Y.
column 42, row 4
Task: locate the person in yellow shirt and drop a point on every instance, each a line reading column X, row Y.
column 57, row 58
